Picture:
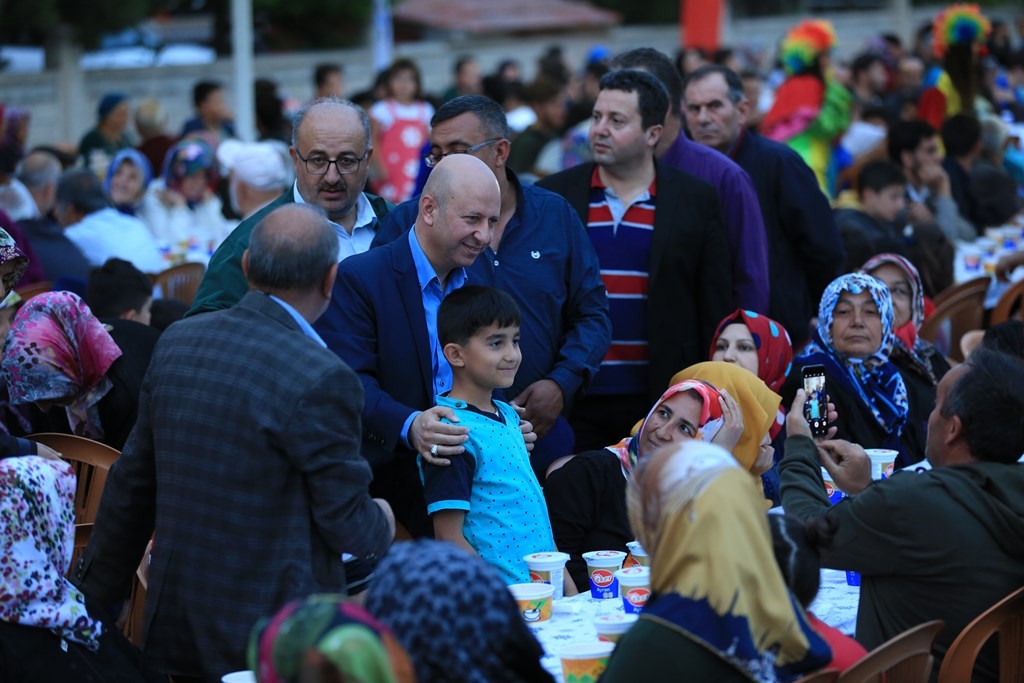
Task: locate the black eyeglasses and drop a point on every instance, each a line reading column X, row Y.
column 318, row 164
column 434, row 159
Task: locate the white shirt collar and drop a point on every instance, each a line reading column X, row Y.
column 364, row 212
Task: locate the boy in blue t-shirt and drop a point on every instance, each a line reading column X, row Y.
column 487, row 500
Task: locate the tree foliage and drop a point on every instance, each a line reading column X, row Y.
column 309, row 24
column 36, row 20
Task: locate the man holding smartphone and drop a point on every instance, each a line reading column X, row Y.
column 943, row 544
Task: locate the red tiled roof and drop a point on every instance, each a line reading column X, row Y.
column 496, row 16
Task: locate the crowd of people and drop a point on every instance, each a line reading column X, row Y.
column 437, row 334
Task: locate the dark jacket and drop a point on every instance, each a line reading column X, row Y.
column 587, row 505
column 805, row 252
column 943, row 544
column 245, row 463
column 376, row 324
column 864, row 236
column 690, row 274
column 58, row 256
column 224, row 283
column 30, row 654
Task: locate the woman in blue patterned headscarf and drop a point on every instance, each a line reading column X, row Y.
column 853, row 341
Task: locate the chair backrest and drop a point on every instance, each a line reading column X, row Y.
column 958, row 313
column 907, row 658
column 823, row 676
column 1010, row 299
column 83, row 532
column 180, row 282
column 956, row 290
column 1006, row 618
column 91, row 461
column 26, row 292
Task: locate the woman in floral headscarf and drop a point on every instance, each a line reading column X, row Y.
column 180, row 207
column 718, row 611
column 59, row 354
column 327, row 635
column 853, row 342
column 586, row 496
column 12, row 266
column 47, row 632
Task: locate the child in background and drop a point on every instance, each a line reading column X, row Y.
column 401, row 124
column 117, row 289
column 487, row 500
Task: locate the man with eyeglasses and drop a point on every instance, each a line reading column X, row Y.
column 541, row 255
column 331, row 150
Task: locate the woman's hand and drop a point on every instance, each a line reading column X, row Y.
column 732, row 424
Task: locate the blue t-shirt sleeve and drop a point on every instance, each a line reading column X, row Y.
column 448, row 488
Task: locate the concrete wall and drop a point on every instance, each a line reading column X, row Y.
column 64, row 107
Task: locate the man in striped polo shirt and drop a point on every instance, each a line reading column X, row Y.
column 664, row 258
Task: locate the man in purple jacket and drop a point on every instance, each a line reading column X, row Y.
column 741, row 212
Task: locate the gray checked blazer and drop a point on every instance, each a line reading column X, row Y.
column 245, row 463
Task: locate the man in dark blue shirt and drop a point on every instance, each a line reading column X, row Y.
column 541, row 255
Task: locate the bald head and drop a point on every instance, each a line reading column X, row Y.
column 459, row 173
column 458, row 210
column 293, row 249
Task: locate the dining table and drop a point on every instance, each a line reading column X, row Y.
column 572, row 618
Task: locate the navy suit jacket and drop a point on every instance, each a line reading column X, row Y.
column 376, row 324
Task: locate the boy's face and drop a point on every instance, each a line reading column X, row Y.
column 885, row 204
column 491, row 357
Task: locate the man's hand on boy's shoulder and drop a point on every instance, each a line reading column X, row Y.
column 434, row 439
column 525, row 426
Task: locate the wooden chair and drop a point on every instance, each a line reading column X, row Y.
column 1012, row 298
column 959, row 312
column 823, row 676
column 26, row 292
column 1006, row 618
column 137, row 602
column 956, row 290
column 907, row 658
column 180, row 282
column 91, row 461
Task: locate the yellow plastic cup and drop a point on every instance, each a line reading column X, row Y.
column 533, row 599
column 585, row 662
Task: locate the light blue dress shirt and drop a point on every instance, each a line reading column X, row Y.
column 432, row 295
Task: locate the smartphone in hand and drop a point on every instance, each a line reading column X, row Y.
column 816, row 403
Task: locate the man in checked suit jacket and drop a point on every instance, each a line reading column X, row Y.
column 244, row 461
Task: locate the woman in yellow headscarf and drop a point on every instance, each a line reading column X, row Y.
column 758, row 404
column 718, row 611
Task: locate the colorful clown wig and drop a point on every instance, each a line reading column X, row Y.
column 804, row 43
column 959, row 24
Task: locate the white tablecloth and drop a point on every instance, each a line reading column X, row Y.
column 572, row 618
